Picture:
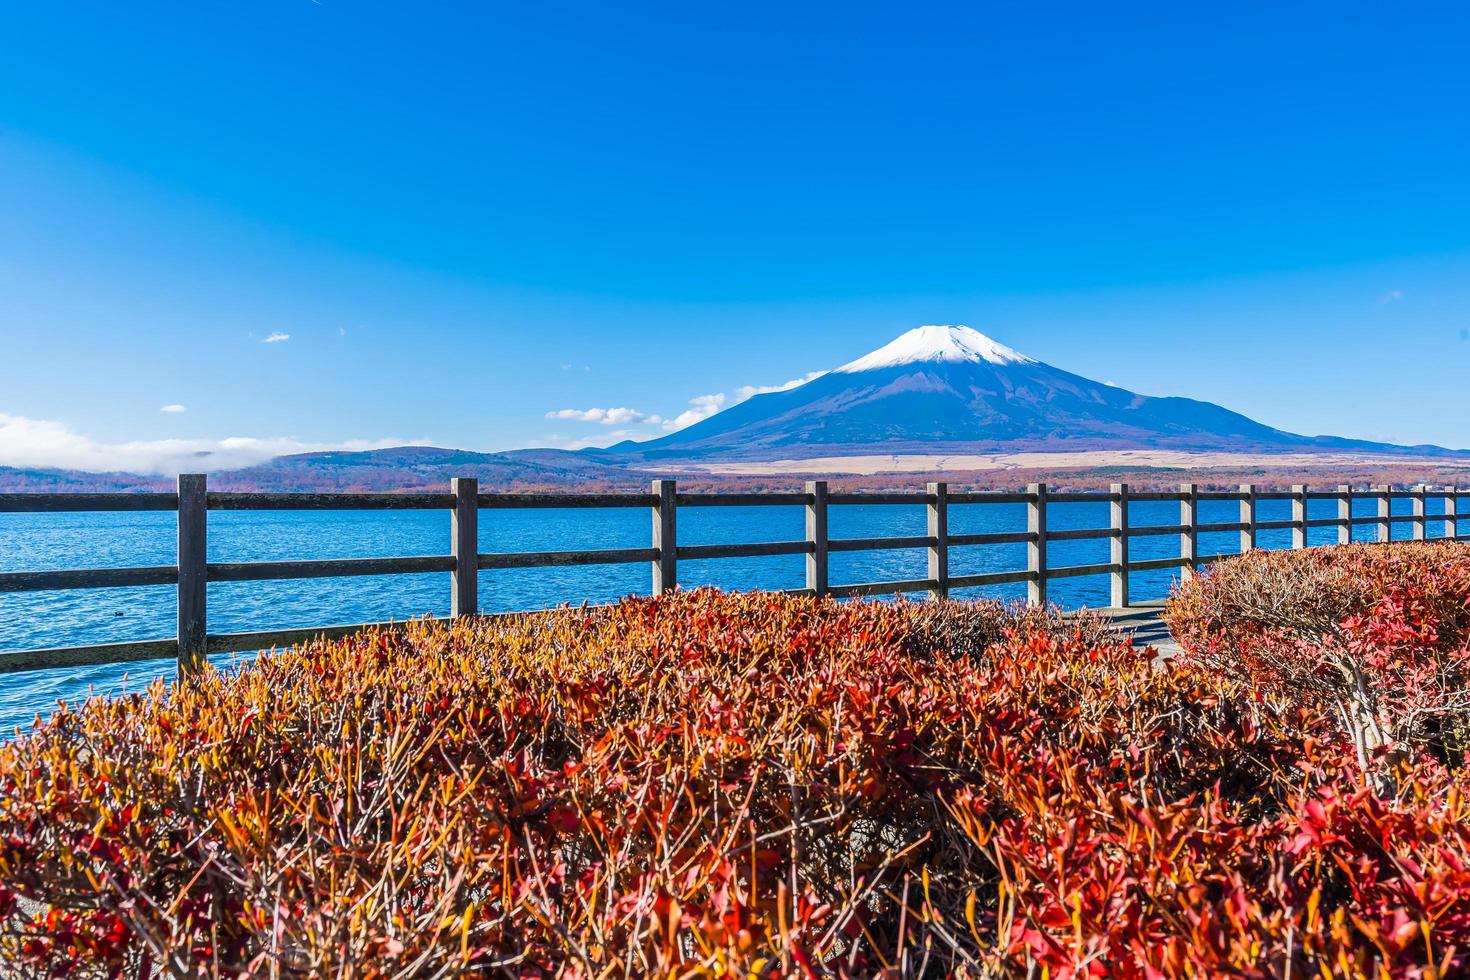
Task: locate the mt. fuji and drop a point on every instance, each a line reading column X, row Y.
column 951, row 389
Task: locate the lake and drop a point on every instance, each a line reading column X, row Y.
column 51, row 541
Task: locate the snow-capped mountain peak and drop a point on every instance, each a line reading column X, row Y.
column 951, row 391
column 952, row 344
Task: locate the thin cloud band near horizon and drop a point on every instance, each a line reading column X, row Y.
column 45, row 444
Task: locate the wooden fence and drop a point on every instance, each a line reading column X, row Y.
column 192, row 503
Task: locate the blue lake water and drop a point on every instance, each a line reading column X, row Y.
column 52, row 541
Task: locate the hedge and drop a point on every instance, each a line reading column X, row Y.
column 1377, row 635
column 713, row 784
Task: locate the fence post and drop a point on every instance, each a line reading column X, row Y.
column 1452, row 511
column 1036, row 547
column 1299, row 515
column 1247, row 517
column 1385, row 527
column 464, row 543
column 665, row 541
column 816, row 537
column 1344, row 514
column 1118, row 511
column 939, row 532
column 193, row 572
column 1416, row 503
column 1189, row 537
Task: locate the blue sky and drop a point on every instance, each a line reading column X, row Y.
column 465, row 217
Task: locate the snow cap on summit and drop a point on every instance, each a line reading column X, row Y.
column 955, row 344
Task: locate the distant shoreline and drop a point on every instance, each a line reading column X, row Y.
column 553, row 471
column 873, row 465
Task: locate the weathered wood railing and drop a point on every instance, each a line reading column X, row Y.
column 192, row 502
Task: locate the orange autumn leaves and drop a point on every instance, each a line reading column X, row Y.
column 714, row 784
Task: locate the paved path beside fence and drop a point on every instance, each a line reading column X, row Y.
column 1144, row 623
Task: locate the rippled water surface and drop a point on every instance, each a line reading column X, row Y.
column 51, row 541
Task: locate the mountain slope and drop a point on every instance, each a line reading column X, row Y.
column 949, row 389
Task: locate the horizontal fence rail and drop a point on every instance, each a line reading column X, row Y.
column 192, row 502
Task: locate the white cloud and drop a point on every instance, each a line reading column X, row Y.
column 599, row 441
column 174, row 409
column 42, row 443
column 748, row 391
column 703, row 407
column 700, row 408
column 603, row 416
column 276, row 338
column 591, row 442
column 1392, row 296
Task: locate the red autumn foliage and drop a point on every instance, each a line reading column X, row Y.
column 1376, row 635
column 716, row 784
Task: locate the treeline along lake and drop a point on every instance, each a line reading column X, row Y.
column 41, row 541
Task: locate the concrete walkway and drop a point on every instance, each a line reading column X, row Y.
column 1144, row 624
